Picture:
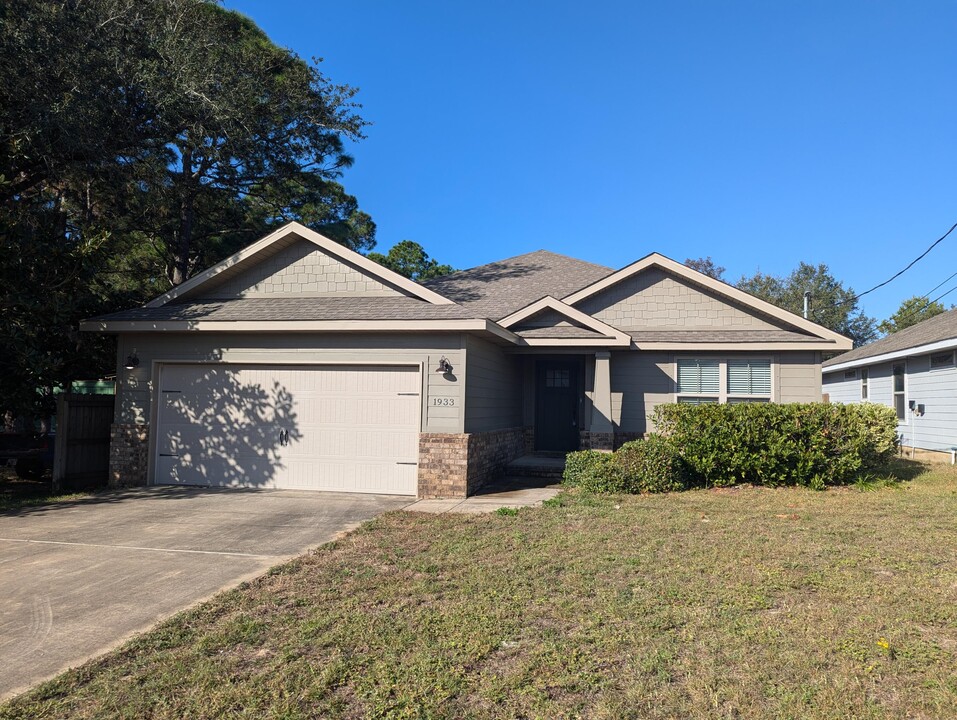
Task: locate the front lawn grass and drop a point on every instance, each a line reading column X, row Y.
column 738, row 603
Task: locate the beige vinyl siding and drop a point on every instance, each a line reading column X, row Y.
column 656, row 299
column 493, row 387
column 639, row 382
column 135, row 387
column 798, row 377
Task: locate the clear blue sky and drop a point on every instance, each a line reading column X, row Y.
column 759, row 133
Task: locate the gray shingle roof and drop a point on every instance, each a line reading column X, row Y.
column 279, row 309
column 936, row 329
column 500, row 288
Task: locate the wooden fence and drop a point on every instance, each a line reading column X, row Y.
column 81, row 456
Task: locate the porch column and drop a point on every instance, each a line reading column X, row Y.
column 601, row 432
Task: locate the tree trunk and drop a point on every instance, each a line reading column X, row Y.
column 186, row 215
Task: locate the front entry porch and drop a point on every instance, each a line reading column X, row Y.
column 568, row 403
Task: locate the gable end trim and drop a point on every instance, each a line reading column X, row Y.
column 331, row 247
column 721, row 288
column 550, row 303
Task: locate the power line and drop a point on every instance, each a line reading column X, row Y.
column 927, row 294
column 917, row 311
column 911, row 264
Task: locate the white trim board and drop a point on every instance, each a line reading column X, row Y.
column 273, row 326
column 331, row 247
column 721, row 288
column 895, row 355
column 550, row 303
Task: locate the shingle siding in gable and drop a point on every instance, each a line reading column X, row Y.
column 304, row 270
column 656, row 299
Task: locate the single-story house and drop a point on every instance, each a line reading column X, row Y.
column 912, row 371
column 297, row 363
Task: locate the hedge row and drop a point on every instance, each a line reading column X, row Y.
column 650, row 465
column 812, row 444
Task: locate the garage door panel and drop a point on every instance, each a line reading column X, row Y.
column 391, row 411
column 368, row 444
column 350, row 428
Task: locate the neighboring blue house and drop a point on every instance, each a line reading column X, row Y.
column 912, row 371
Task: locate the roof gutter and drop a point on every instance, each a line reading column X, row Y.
column 896, row 355
column 297, row 326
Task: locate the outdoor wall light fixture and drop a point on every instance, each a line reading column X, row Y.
column 132, row 361
column 445, row 367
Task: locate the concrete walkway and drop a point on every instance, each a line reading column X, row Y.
column 515, row 492
column 78, row 578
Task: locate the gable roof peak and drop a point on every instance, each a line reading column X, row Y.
column 247, row 257
column 719, row 287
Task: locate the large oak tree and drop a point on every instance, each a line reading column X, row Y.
column 140, row 142
column 831, row 304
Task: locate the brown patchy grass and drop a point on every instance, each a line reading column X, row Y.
column 743, row 603
column 16, row 493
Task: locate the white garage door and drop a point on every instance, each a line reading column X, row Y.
column 345, row 428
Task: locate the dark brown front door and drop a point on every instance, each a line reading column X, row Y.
column 556, row 406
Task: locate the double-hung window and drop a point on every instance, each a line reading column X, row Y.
column 863, row 383
column 900, row 403
column 712, row 380
column 699, row 381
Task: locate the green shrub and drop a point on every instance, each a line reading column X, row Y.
column 592, row 471
column 651, row 465
column 812, row 444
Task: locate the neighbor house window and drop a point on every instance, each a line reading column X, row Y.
column 850, row 374
column 749, row 381
column 941, row 360
column 900, row 404
column 863, row 383
column 699, row 381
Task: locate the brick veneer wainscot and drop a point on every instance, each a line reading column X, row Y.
column 606, row 441
column 129, row 454
column 455, row 465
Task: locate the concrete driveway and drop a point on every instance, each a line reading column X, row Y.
column 78, row 578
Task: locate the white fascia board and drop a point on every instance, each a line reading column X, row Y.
column 726, row 346
column 273, row 326
column 551, row 303
column 839, row 342
column 574, row 342
column 329, row 246
column 896, row 355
